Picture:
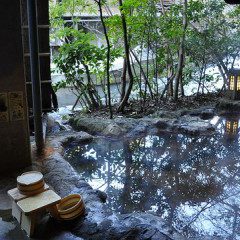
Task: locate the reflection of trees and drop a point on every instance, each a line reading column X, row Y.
column 188, row 181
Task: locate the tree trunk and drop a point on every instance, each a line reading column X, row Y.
column 182, row 88
column 94, row 103
column 143, row 73
column 124, row 79
column 108, row 58
column 170, row 73
column 170, row 80
column 225, row 79
column 127, row 53
column 181, row 53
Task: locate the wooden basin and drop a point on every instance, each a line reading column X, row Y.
column 30, row 183
column 71, row 207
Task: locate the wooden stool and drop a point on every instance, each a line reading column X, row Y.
column 16, row 196
column 32, row 205
column 26, row 209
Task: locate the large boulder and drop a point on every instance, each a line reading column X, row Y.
column 165, row 123
column 184, row 122
column 225, row 106
column 207, row 113
column 107, row 127
column 168, row 114
column 88, row 124
column 194, row 125
column 204, row 113
column 113, row 130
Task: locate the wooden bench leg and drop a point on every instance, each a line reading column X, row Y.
column 16, row 212
column 28, row 223
column 53, row 211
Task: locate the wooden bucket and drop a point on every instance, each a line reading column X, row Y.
column 30, row 183
column 71, row 207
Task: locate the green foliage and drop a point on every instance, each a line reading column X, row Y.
column 212, row 38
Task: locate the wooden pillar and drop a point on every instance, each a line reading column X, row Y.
column 14, row 140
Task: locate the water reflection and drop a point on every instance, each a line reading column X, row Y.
column 191, row 182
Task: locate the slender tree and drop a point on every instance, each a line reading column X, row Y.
column 127, row 57
column 100, row 4
column 181, row 52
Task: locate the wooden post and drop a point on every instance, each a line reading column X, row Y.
column 14, row 141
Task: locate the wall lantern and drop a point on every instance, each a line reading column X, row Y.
column 234, row 83
column 232, row 126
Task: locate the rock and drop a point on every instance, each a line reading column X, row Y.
column 160, row 236
column 195, row 112
column 5, row 202
column 55, row 126
column 137, row 131
column 101, row 195
column 183, row 112
column 171, row 114
column 131, row 234
column 148, row 234
column 162, row 124
column 204, row 113
column 5, row 229
column 67, row 235
column 194, row 125
column 82, row 137
column 87, row 227
column 207, row 113
column 228, row 106
column 116, row 127
column 105, row 224
column 184, row 121
column 113, row 130
column 186, row 124
column 90, row 125
column 166, row 114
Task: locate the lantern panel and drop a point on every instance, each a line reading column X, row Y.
column 238, row 83
column 231, row 127
column 235, row 127
column 232, row 83
column 228, row 127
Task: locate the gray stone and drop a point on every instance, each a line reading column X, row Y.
column 5, row 202
column 129, row 127
column 208, row 113
column 88, row 228
column 92, row 125
column 160, row 236
column 228, row 106
column 116, row 127
column 101, row 195
column 162, row 124
column 194, row 125
column 148, row 234
column 137, row 131
column 132, row 234
column 113, row 130
column 105, row 224
column 166, row 114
